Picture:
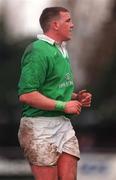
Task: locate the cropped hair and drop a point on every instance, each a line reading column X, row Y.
column 49, row 14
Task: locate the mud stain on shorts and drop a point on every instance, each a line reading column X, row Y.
column 43, row 139
column 37, row 152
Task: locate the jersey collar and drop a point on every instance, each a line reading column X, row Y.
column 46, row 38
column 51, row 41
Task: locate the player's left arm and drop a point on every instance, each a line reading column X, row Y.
column 84, row 97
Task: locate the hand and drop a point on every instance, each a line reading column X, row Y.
column 85, row 98
column 74, row 96
column 73, row 107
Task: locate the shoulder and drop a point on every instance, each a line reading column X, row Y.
column 39, row 51
column 36, row 53
column 34, row 46
column 34, row 49
column 40, row 46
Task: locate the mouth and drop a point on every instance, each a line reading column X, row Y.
column 71, row 30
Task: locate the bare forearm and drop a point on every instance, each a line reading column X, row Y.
column 37, row 100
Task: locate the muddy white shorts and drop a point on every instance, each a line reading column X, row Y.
column 43, row 139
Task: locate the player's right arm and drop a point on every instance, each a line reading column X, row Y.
column 38, row 100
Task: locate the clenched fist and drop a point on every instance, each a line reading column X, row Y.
column 85, row 98
column 73, row 107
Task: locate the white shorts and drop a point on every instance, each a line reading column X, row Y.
column 43, row 139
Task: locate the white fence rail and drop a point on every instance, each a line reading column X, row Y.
column 92, row 166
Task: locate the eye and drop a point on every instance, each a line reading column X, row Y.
column 68, row 20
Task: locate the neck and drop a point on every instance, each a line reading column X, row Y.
column 54, row 36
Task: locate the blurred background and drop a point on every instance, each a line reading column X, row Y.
column 93, row 57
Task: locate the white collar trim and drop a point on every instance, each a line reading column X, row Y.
column 51, row 41
column 46, row 38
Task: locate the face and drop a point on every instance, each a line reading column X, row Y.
column 64, row 26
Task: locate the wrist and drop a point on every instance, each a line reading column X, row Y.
column 74, row 96
column 60, row 106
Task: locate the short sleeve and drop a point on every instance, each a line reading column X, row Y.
column 33, row 71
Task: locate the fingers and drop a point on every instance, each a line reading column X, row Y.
column 77, row 107
column 82, row 91
column 73, row 107
column 78, row 111
column 86, row 102
column 87, row 98
column 86, row 95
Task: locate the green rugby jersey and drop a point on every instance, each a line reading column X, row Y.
column 45, row 69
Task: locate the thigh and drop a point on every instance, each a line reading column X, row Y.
column 67, row 167
column 44, row 172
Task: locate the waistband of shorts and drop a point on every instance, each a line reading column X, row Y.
column 44, row 118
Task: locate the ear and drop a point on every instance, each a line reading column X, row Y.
column 55, row 25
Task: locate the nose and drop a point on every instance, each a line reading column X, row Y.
column 72, row 25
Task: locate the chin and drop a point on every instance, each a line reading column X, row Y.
column 67, row 38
